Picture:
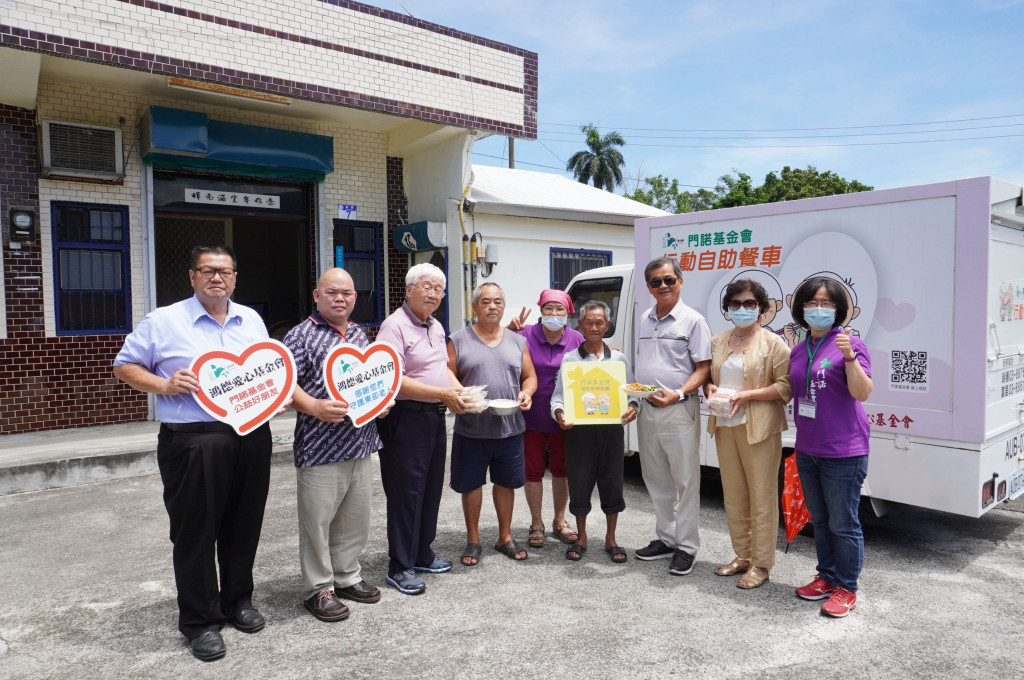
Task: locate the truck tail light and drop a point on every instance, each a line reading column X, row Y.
column 988, row 492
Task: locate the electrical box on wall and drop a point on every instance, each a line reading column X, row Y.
column 22, row 223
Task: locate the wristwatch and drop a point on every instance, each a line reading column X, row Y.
column 682, row 397
column 853, row 358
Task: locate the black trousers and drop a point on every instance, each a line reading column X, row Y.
column 412, row 471
column 593, row 456
column 215, row 491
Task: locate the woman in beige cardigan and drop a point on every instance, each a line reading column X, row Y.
column 750, row 376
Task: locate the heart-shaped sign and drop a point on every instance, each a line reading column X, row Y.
column 245, row 390
column 366, row 379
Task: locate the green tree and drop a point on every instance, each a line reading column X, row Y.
column 794, row 183
column 602, row 162
column 737, row 189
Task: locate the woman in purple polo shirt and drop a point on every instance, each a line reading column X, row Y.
column 547, row 340
column 830, row 372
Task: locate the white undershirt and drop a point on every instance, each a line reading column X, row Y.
column 731, row 376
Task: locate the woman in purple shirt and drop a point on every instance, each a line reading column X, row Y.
column 548, row 341
column 830, row 372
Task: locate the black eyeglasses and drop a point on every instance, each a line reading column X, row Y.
column 746, row 304
column 668, row 281
column 209, row 272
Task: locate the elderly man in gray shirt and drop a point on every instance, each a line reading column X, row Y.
column 487, row 354
column 674, row 353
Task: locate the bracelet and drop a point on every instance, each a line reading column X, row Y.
column 853, row 358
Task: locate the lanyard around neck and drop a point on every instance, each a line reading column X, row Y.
column 810, row 360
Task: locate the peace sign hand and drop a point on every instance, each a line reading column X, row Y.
column 518, row 323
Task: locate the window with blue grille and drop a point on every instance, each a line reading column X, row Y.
column 90, row 265
column 567, row 263
column 357, row 249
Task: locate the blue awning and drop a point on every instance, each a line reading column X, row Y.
column 189, row 139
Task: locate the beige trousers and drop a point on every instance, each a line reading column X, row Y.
column 669, row 441
column 750, row 483
column 334, row 522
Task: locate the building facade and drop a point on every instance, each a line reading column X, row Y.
column 303, row 133
column 544, row 229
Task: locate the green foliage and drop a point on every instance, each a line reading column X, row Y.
column 602, row 162
column 737, row 189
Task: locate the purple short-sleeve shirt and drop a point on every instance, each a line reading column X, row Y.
column 547, row 358
column 840, row 428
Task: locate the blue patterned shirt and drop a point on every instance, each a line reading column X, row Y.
column 317, row 442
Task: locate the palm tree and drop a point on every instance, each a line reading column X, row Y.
column 602, row 163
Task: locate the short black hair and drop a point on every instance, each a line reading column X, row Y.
column 738, row 286
column 806, row 291
column 199, row 251
column 658, row 263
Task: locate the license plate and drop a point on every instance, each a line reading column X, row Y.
column 1016, row 483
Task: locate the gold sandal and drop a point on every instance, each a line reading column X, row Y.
column 737, row 566
column 565, row 533
column 752, row 579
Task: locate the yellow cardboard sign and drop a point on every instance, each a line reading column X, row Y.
column 591, row 392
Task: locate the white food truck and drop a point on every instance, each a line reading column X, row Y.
column 936, row 275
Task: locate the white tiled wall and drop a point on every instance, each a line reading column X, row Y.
column 153, row 31
column 359, row 177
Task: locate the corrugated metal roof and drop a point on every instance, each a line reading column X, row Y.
column 501, row 191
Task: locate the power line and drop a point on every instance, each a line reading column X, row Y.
column 802, row 146
column 807, row 129
column 847, row 134
column 552, row 152
column 551, row 167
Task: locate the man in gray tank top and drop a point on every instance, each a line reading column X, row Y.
column 487, row 354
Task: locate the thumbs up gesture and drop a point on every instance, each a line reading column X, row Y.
column 843, row 343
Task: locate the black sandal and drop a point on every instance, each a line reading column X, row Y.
column 576, row 548
column 472, row 551
column 510, row 549
column 617, row 554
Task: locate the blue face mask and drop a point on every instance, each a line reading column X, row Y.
column 553, row 323
column 744, row 317
column 820, row 319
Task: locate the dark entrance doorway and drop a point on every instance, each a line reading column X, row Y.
column 275, row 245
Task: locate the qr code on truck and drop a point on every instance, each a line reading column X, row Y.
column 908, row 371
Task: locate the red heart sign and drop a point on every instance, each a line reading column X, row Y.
column 367, row 380
column 245, row 390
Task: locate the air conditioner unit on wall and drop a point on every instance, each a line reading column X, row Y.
column 81, row 153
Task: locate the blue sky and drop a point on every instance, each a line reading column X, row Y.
column 744, row 66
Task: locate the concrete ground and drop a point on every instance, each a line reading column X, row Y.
column 87, row 592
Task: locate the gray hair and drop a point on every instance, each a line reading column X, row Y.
column 660, row 262
column 424, row 270
column 595, row 304
column 479, row 289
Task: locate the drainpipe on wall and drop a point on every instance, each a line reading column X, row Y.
column 468, row 264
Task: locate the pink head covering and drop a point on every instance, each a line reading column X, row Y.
column 552, row 295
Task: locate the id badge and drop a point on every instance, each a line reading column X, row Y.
column 805, row 408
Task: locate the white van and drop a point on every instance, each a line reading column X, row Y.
column 936, row 273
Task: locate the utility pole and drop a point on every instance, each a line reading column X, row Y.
column 511, row 153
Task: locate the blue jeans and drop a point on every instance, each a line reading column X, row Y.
column 832, row 493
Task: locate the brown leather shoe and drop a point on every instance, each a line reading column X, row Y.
column 359, row 592
column 326, row 607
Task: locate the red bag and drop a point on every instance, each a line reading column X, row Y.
column 794, row 511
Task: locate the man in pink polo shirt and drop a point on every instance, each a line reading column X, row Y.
column 412, row 459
